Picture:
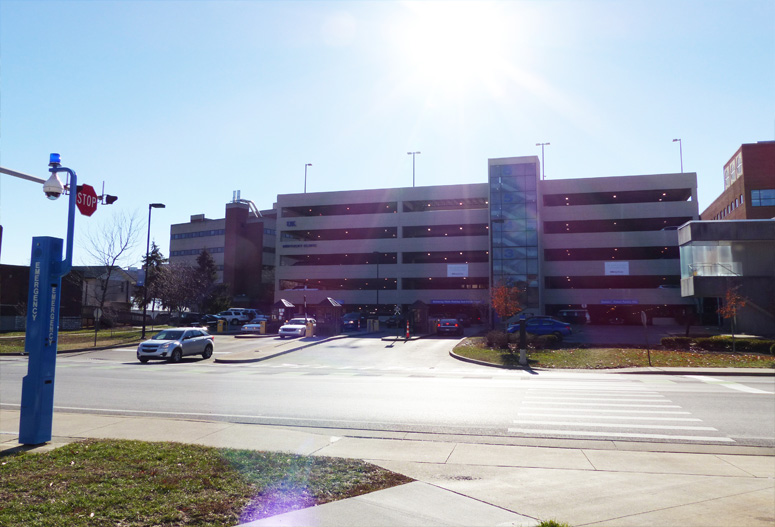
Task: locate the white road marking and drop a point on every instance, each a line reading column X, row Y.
column 612, row 434
column 727, row 384
column 615, row 425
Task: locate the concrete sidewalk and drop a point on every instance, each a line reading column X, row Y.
column 462, row 480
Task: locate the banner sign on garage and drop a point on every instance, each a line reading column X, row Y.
column 457, row 270
column 617, row 268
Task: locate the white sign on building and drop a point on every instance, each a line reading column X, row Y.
column 617, row 268
column 457, row 270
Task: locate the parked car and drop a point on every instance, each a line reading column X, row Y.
column 250, row 313
column 449, row 326
column 254, row 326
column 234, row 317
column 574, row 316
column 210, row 321
column 174, row 344
column 185, row 318
column 353, row 321
column 464, row 319
column 297, row 327
column 543, row 326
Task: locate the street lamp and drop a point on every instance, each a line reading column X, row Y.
column 151, row 206
column 543, row 165
column 412, row 154
column 680, row 152
column 305, row 176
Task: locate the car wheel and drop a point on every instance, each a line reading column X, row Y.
column 208, row 352
column 558, row 335
column 176, row 356
column 143, row 359
column 234, row 322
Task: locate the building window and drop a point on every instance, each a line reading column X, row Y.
column 739, row 164
column 763, row 198
column 198, row 234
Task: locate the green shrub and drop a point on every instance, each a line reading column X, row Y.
column 498, row 339
column 677, row 343
column 544, row 342
column 772, row 349
column 724, row 343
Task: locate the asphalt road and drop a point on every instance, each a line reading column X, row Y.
column 367, row 384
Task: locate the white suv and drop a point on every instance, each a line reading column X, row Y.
column 297, row 327
column 234, row 317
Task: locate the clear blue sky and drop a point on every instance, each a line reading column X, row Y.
column 185, row 102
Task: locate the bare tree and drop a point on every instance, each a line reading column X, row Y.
column 109, row 245
column 177, row 287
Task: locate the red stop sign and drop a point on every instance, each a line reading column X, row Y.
column 86, row 200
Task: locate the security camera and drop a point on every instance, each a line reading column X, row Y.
column 53, row 188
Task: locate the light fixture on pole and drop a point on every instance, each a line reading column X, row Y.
column 543, row 165
column 680, row 153
column 412, row 154
column 151, row 206
column 305, row 176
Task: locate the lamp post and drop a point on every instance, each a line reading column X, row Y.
column 680, row 153
column 151, row 206
column 412, row 154
column 305, row 176
column 543, row 165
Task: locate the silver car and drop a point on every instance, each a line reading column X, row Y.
column 174, row 344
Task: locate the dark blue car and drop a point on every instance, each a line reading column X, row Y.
column 543, row 326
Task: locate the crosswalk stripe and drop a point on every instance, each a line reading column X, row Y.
column 727, row 384
column 629, row 418
column 608, row 411
column 619, row 400
column 614, row 425
column 604, row 404
column 619, row 434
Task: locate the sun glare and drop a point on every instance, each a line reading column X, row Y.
column 453, row 48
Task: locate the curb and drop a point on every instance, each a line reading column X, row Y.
column 646, row 370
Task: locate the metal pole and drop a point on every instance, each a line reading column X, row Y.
column 151, row 206
column 305, row 176
column 543, row 165
column 145, row 276
column 680, row 153
column 413, row 154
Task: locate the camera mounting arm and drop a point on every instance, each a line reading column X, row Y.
column 54, row 168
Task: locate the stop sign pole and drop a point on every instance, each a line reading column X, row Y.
column 46, row 271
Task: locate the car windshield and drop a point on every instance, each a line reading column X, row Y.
column 170, row 334
column 297, row 322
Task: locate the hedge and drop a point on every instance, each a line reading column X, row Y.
column 720, row 343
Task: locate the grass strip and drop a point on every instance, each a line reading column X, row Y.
column 136, row 483
column 607, row 358
column 12, row 343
